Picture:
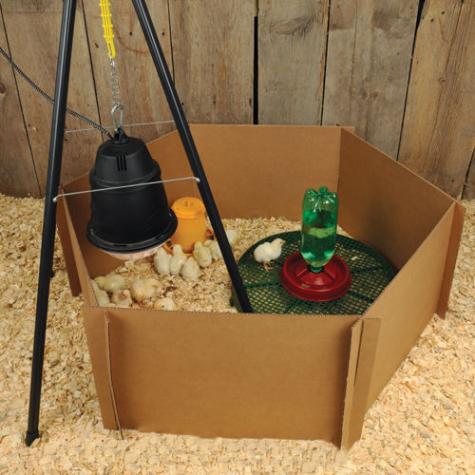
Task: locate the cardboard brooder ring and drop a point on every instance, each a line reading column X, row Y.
column 294, row 376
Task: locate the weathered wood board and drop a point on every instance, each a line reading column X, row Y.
column 439, row 126
column 17, row 173
column 213, row 46
column 140, row 89
column 469, row 188
column 33, row 31
column 368, row 62
column 312, row 61
column 292, row 50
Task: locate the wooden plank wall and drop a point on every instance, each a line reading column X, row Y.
column 18, row 173
column 292, row 51
column 32, row 29
column 400, row 71
column 439, row 128
column 213, row 43
column 369, row 56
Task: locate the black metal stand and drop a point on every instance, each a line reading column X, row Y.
column 49, row 219
column 54, row 173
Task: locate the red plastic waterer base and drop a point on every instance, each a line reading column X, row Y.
column 330, row 284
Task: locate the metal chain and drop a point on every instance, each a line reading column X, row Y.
column 117, row 111
column 44, row 94
column 115, row 83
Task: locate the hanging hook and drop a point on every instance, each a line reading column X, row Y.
column 117, row 114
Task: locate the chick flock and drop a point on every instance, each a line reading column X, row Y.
column 171, row 281
column 112, row 289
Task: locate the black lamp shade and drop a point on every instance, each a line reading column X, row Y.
column 131, row 219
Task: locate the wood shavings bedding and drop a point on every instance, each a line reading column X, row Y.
column 423, row 422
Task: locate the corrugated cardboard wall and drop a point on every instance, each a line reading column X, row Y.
column 260, row 383
column 317, row 62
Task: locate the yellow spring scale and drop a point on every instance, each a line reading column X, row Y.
column 107, row 27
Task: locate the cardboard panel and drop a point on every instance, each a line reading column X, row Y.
column 64, row 232
column 365, row 343
column 97, row 261
column 383, row 203
column 72, row 246
column 408, row 303
column 223, row 375
column 355, row 343
column 300, row 376
column 95, row 322
column 256, row 170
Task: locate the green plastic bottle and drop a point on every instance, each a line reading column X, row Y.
column 319, row 220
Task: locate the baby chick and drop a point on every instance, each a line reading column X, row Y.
column 161, row 261
column 213, row 246
column 190, row 270
column 144, row 289
column 233, row 236
column 101, row 295
column 165, row 303
column 111, row 282
column 268, row 251
column 177, row 260
column 122, row 298
column 202, row 255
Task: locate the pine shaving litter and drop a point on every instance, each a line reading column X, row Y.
column 423, row 422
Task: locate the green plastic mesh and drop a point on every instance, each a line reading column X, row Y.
column 370, row 271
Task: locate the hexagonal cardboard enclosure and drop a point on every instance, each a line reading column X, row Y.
column 278, row 376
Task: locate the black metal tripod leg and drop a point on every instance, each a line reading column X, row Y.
column 190, row 149
column 49, row 220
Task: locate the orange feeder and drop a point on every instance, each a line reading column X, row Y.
column 192, row 223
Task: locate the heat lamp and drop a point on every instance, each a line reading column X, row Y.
column 130, row 217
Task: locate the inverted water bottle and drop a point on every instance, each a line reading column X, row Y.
column 315, row 273
column 319, row 221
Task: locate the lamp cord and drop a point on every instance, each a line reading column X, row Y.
column 94, row 126
column 40, row 91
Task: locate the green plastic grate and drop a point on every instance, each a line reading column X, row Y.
column 370, row 272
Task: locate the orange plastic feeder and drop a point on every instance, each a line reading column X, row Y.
column 192, row 223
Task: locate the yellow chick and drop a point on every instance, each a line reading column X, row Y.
column 202, row 255
column 233, row 236
column 213, row 246
column 190, row 270
column 268, row 251
column 144, row 289
column 101, row 295
column 122, row 298
column 161, row 261
column 111, row 282
column 165, row 303
column 177, row 260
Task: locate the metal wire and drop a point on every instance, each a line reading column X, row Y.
column 97, row 190
column 127, row 126
column 44, row 94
